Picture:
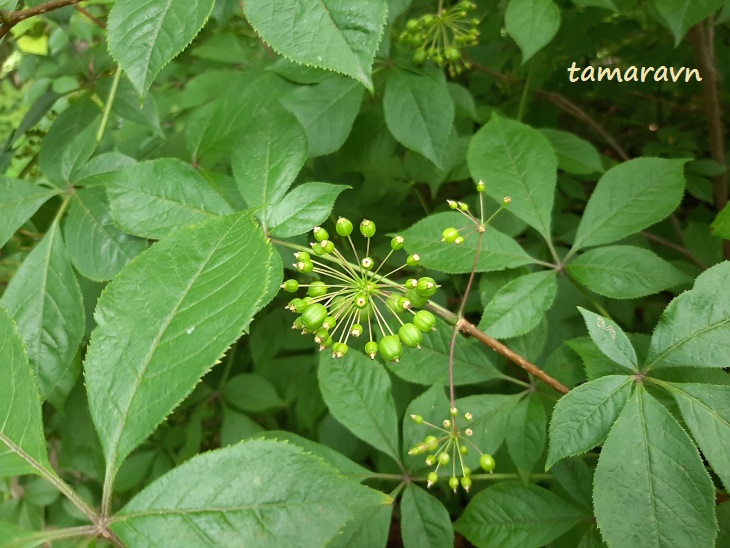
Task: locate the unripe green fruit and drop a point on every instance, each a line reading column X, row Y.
column 391, row 348
column 318, row 249
column 426, row 287
column 361, row 300
column 427, row 20
column 308, row 300
column 416, row 299
column 449, row 235
column 339, row 349
column 466, row 483
column 463, row 449
column 411, row 283
column 466, row 471
column 367, row 263
column 290, row 286
column 313, row 316
column 418, row 419
column 321, row 335
column 302, row 256
column 452, row 54
column 317, row 289
column 419, row 57
column 432, row 477
column 393, row 304
column 431, row 442
column 410, row 335
column 459, row 240
column 413, row 259
column 326, row 343
column 454, row 483
column 444, row 459
column 367, row 228
column 397, row 243
column 329, row 322
column 343, row 227
column 424, row 320
column 405, row 303
column 481, row 187
column 453, row 204
column 304, row 266
column 411, row 24
column 297, row 305
column 371, row 349
column 356, row 330
column 320, row 234
column 327, row 246
column 487, row 463
column 298, row 323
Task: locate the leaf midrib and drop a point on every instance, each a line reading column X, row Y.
column 686, row 339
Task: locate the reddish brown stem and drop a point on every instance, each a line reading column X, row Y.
column 13, row 18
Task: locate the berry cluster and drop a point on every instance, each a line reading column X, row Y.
column 358, row 296
column 440, row 36
column 449, row 448
column 452, row 235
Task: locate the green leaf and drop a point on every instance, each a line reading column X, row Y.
column 705, row 409
column 22, row 441
column 427, row 366
column 357, row 392
column 45, row 301
column 70, row 142
column 257, row 493
column 251, row 392
column 681, row 15
column 582, row 418
column 145, row 35
column 367, row 530
column 432, row 405
column 268, row 156
column 624, row 272
column 165, row 320
column 518, row 306
column 532, row 24
column 628, row 198
column 341, row 36
column 154, row 198
column 650, row 487
column 303, row 208
column 12, row 536
column 98, row 249
column 326, row 111
column 498, row 251
column 610, row 339
column 526, row 433
column 424, row 520
column 513, row 515
column 419, row 112
column 18, row 201
column 491, row 415
column 720, row 227
column 518, row 161
column 575, row 155
column 694, row 329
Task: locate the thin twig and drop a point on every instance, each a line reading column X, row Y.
column 13, row 18
column 676, row 247
column 91, row 17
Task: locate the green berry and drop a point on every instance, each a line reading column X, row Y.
column 444, row 459
column 339, row 349
column 367, row 228
column 463, row 206
column 290, row 286
column 416, row 298
column 432, row 478
column 449, row 235
column 393, row 304
column 487, row 463
column 391, row 348
column 426, row 287
column 452, row 54
column 371, row 349
column 302, row 256
column 481, row 187
column 405, row 303
column 320, row 234
column 297, row 305
column 430, row 460
column 308, row 300
column 397, row 243
column 304, row 266
column 317, row 289
column 431, row 442
column 356, row 330
column 313, row 316
column 463, row 449
column 466, row 483
column 459, row 240
column 411, row 24
column 413, row 259
column 419, row 57
column 466, row 471
column 329, row 322
column 410, row 335
column 361, row 300
column 367, row 263
column 298, row 325
column 411, row 283
column 454, row 483
column 317, row 248
column 425, row 321
column 343, row 227
column 453, row 204
column 418, row 419
column 326, row 343
column 427, row 20
column 327, row 246
column 321, row 335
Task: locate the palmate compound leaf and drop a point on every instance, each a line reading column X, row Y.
column 338, row 35
column 651, row 488
column 21, row 436
column 694, row 330
column 145, row 35
column 166, row 319
column 258, row 493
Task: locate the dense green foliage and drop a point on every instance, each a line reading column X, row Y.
column 526, row 342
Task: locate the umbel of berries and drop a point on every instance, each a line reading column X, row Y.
column 352, row 299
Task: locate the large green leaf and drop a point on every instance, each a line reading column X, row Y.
column 419, row 112
column 303, row 208
column 491, row 415
column 575, row 155
column 98, row 249
column 512, row 515
column 45, row 300
column 582, row 418
column 257, row 493
column 681, row 15
column 694, row 329
column 720, row 227
column 629, row 198
column 267, row 158
column 145, row 35
column 498, row 251
column 166, row 319
column 705, row 409
column 369, row 529
column 519, row 306
column 326, row 111
column 340, row 35
column 532, row 24
column 526, row 433
column 425, row 523
column 610, row 339
column 357, row 392
column 22, row 442
column 650, row 487
column 518, row 161
column 152, row 199
column 624, row 272
column 429, row 365
column 18, row 201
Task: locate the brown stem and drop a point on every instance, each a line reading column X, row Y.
column 683, row 250
column 98, row 22
column 702, row 39
column 13, row 18
column 494, row 344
